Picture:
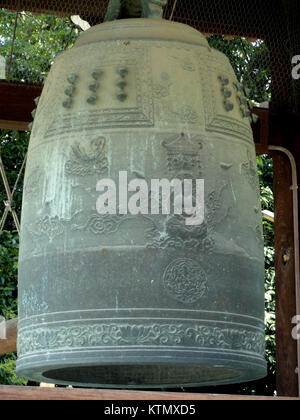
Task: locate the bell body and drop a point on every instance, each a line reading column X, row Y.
column 123, row 300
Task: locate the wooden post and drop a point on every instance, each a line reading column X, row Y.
column 286, row 346
column 10, row 343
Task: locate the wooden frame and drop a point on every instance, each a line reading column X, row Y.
column 36, row 393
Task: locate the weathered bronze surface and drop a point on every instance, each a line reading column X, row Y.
column 141, row 301
column 122, row 9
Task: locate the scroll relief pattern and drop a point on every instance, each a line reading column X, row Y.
column 131, row 334
column 47, row 226
column 101, row 224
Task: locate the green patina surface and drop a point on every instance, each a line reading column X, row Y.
column 124, row 9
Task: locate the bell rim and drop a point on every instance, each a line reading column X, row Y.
column 46, row 368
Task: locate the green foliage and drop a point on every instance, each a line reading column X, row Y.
column 8, row 371
column 251, row 63
column 265, row 172
column 39, row 39
column 9, row 247
column 13, row 147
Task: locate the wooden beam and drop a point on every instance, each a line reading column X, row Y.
column 9, row 344
column 37, row 393
column 14, row 125
column 16, row 104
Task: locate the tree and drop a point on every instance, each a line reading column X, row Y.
column 38, row 40
column 251, row 62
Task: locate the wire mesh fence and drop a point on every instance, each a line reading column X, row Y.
column 260, row 37
column 30, row 46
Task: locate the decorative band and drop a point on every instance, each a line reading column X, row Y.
column 118, row 334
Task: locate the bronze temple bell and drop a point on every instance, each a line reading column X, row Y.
column 123, row 300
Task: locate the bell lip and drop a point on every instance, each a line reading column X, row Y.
column 142, row 29
column 34, row 367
